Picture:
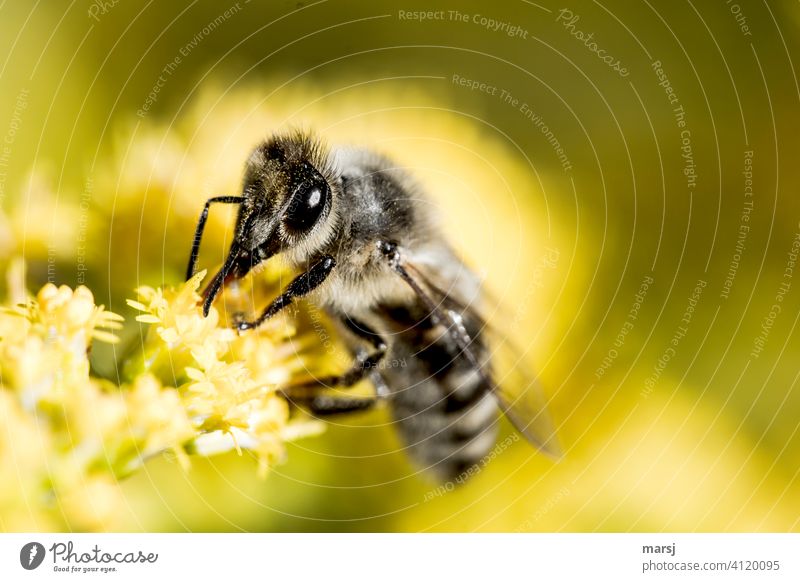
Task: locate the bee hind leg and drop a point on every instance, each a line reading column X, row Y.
column 308, row 395
column 330, row 405
column 365, row 365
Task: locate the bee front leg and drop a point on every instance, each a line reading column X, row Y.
column 302, row 285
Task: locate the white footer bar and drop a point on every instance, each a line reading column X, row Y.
column 401, row 557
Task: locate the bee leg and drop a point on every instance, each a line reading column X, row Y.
column 363, row 331
column 326, row 405
column 201, row 224
column 330, row 405
column 361, row 368
column 302, row 285
column 381, row 387
column 366, row 363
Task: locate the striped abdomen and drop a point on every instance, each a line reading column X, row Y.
column 442, row 405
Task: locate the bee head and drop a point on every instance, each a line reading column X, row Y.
column 288, row 201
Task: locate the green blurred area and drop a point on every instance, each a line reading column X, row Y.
column 708, row 441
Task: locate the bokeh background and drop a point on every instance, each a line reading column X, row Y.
column 639, row 221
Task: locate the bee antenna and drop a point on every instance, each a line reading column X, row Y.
column 201, row 224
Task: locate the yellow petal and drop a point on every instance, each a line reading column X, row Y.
column 147, row 319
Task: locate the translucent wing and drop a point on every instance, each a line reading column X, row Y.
column 450, row 297
column 520, row 395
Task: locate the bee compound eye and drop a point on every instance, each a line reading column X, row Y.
column 306, row 205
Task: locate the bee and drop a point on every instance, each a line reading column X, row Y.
column 369, row 252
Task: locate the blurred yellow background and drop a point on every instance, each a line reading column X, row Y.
column 624, row 174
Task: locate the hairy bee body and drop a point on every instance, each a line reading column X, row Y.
column 443, row 408
column 441, row 405
column 368, row 249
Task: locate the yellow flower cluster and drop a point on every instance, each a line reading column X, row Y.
column 67, row 435
column 228, row 382
column 191, row 387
